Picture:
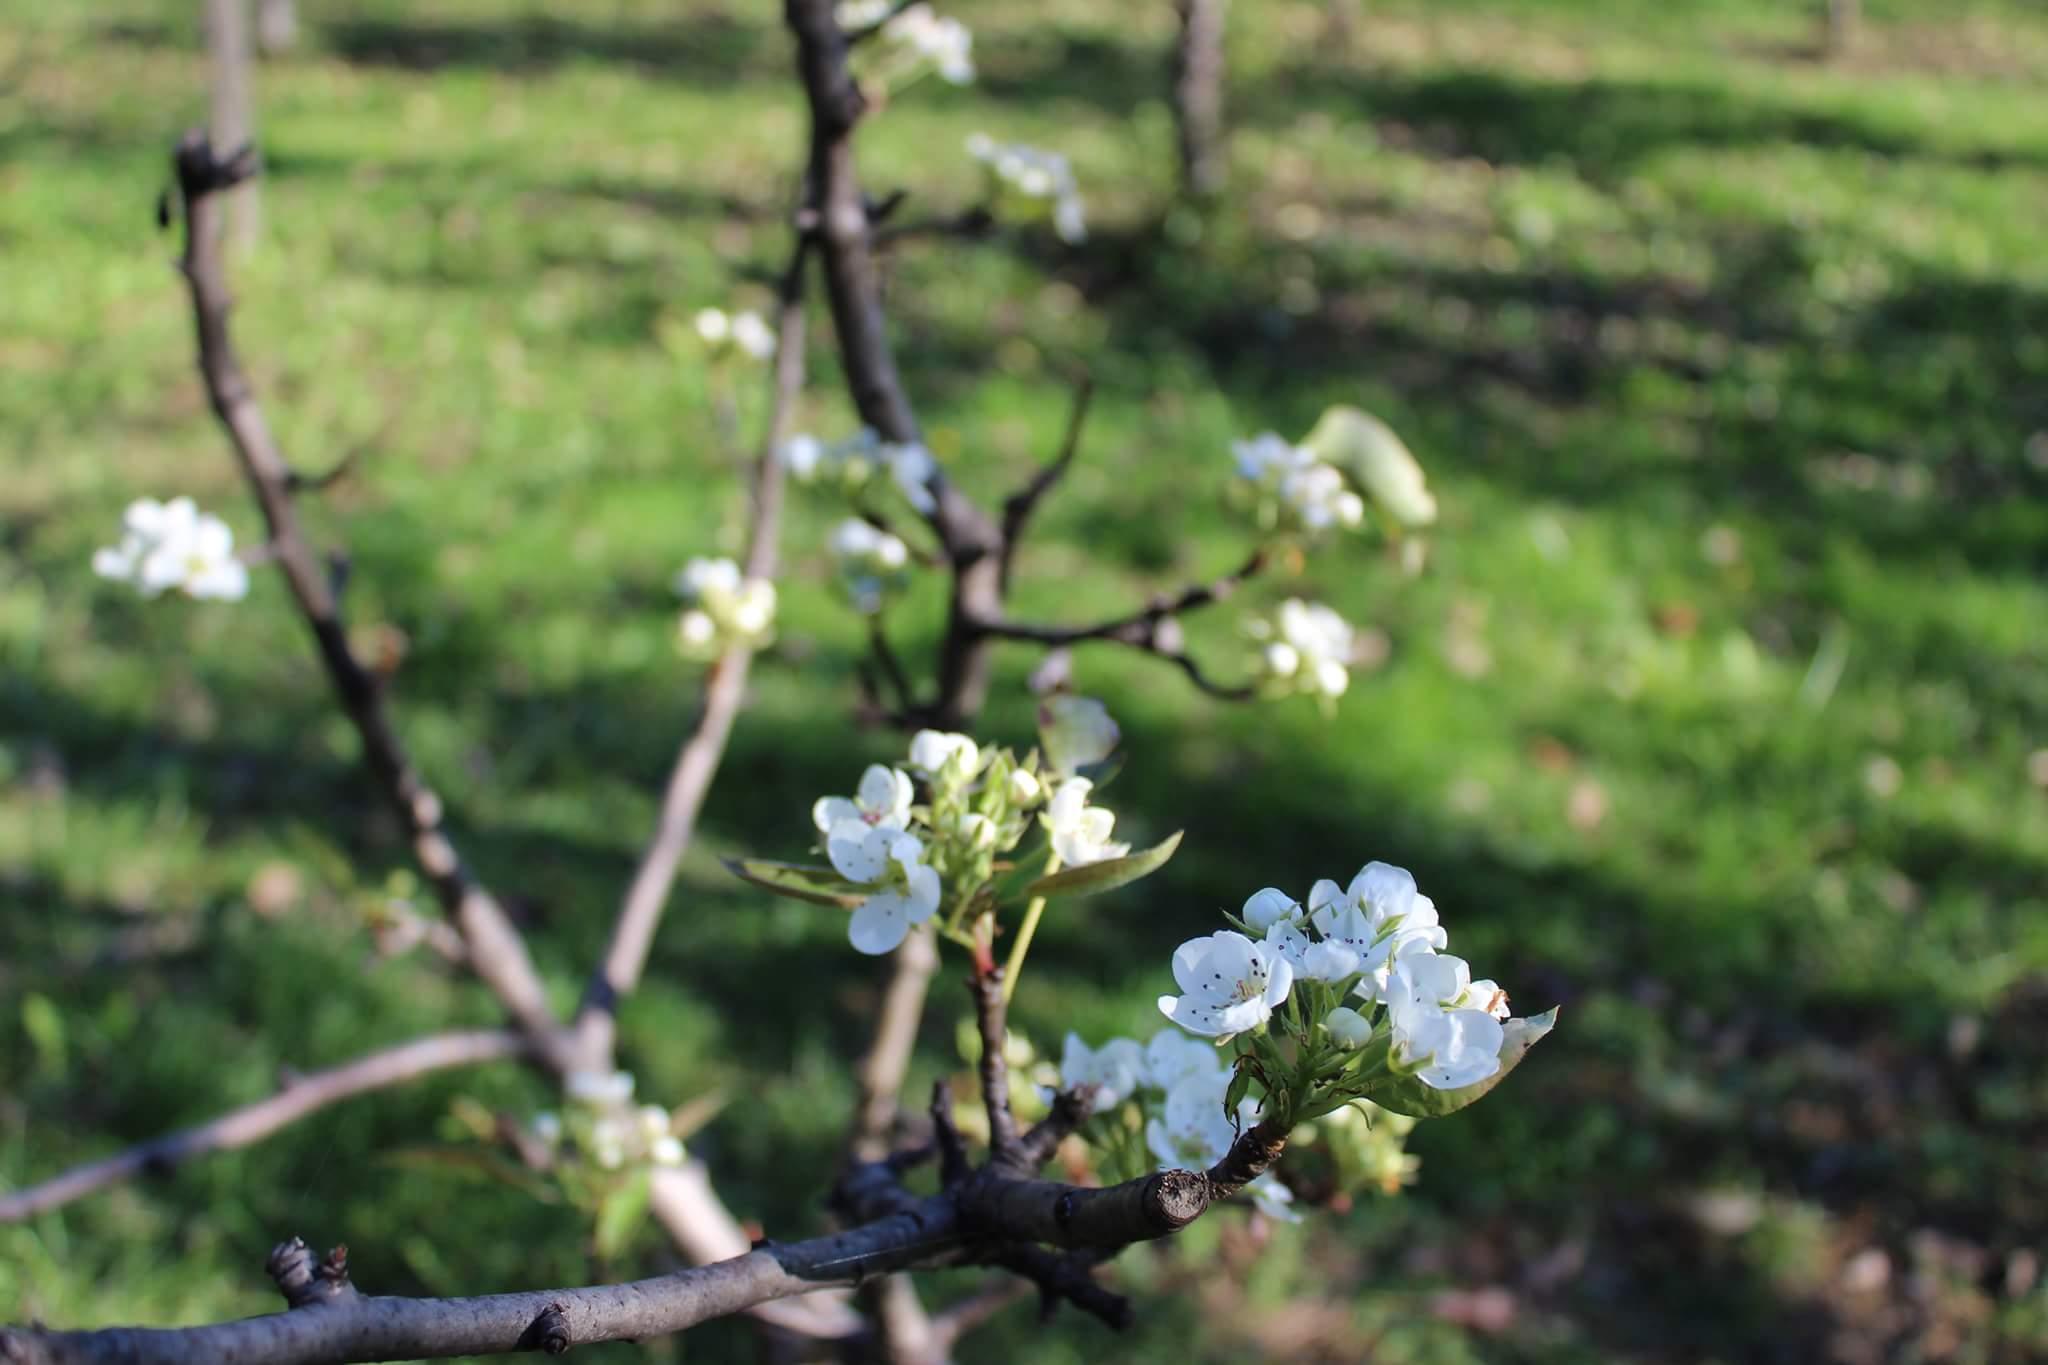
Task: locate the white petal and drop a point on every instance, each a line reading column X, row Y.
column 1188, row 963
column 831, row 810
column 924, row 893
column 879, row 924
column 1267, row 906
column 859, row 852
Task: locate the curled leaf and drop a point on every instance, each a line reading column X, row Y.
column 798, row 881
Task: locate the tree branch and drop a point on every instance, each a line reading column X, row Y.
column 496, row 950
column 307, row 1094
column 697, row 762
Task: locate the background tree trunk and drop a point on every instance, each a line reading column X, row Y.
column 277, row 26
column 234, row 116
column 1198, row 97
column 1845, row 18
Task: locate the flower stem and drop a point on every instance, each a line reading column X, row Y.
column 1015, row 967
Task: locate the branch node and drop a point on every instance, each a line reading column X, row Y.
column 549, row 1332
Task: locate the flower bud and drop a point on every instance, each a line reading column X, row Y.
column 1348, row 1028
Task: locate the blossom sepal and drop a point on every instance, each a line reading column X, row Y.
column 1089, row 879
column 798, row 881
column 1407, row 1094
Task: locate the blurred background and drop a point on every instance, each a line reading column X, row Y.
column 1719, row 716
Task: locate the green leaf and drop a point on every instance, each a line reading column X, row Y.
column 620, row 1216
column 1090, row 878
column 1240, row 1086
column 1407, row 1095
column 798, row 881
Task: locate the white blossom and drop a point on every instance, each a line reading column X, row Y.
column 1313, row 493
column 725, row 604
column 853, row 15
column 714, row 328
column 803, row 456
column 174, row 545
column 1272, row 1198
column 1080, row 832
column 882, row 799
column 1025, row 789
column 1192, row 1132
column 921, row 33
column 870, row 561
column 653, row 1121
column 1230, row 984
column 666, row 1150
column 1172, row 1057
column 937, row 752
column 907, row 890
column 912, row 467
column 1380, row 916
column 1114, row 1069
column 1309, row 648
column 1075, row 732
column 1037, row 175
column 752, row 334
column 599, row 1089
column 1452, row 1045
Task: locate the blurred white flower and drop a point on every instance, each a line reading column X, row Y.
column 727, row 607
column 666, row 1151
column 599, row 1089
column 803, row 456
column 912, row 467
column 1075, row 732
column 1272, row 1198
column 174, row 545
column 653, row 1121
column 1230, row 984
column 1080, row 832
column 1172, row 1057
column 921, row 34
column 1039, row 178
column 870, row 563
column 1368, row 450
column 1310, row 493
column 1193, row 1132
column 752, row 334
column 547, row 1126
column 1307, row 649
column 713, row 326
column 1113, row 1069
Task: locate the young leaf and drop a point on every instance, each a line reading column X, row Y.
column 620, row 1216
column 1089, row 878
column 798, row 881
column 1240, row 1086
column 1407, row 1095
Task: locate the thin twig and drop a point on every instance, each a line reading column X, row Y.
column 990, row 1018
column 697, row 762
column 306, row 1094
column 496, row 950
column 1018, row 507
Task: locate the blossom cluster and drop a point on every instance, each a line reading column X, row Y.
column 166, row 545
column 745, row 332
column 1035, row 176
column 851, row 463
column 603, row 1127
column 1304, row 647
column 1377, row 941
column 870, row 563
column 1299, row 490
column 915, row 39
column 726, row 608
column 900, row 855
column 1179, row 1085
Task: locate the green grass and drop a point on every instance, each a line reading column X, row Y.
column 1730, row 369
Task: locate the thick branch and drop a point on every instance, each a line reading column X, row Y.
column 697, row 763
column 252, row 1123
column 972, row 541
column 496, row 950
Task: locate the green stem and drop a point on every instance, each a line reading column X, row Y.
column 1015, row 967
